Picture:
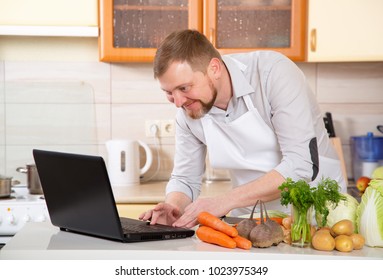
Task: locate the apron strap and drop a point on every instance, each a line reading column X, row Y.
column 248, row 102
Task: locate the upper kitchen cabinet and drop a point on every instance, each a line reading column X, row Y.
column 131, row 30
column 345, row 30
column 246, row 25
column 49, row 18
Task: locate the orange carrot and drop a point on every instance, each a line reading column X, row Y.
column 209, row 235
column 242, row 242
column 207, row 219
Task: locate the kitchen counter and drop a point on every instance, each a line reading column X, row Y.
column 154, row 192
column 42, row 241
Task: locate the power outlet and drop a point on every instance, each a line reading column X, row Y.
column 152, row 128
column 167, row 128
column 160, row 128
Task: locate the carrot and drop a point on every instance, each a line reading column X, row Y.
column 207, row 219
column 242, row 242
column 212, row 236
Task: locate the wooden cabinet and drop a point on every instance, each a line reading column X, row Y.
column 244, row 25
column 49, row 18
column 345, row 30
column 130, row 30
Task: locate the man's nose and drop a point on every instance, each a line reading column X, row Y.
column 179, row 99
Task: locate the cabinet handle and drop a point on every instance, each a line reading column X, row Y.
column 313, row 40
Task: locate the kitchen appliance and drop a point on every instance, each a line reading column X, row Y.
column 34, row 185
column 6, row 186
column 18, row 209
column 367, row 154
column 124, row 162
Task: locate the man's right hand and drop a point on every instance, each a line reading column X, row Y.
column 163, row 213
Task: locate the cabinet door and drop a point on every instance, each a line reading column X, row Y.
column 245, row 25
column 131, row 30
column 345, row 30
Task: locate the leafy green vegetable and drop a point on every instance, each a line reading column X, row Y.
column 302, row 196
column 345, row 210
column 327, row 190
column 370, row 214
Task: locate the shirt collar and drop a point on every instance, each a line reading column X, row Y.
column 239, row 83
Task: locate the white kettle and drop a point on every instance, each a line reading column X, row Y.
column 124, row 162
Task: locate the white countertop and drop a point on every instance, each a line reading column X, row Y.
column 44, row 241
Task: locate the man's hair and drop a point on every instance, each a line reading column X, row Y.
column 185, row 45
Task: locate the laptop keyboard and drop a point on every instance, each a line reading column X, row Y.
column 143, row 227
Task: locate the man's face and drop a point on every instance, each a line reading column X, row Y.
column 192, row 91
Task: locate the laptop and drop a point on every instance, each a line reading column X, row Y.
column 80, row 199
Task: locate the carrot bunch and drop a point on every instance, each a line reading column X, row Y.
column 213, row 230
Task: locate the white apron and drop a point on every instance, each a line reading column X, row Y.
column 251, row 150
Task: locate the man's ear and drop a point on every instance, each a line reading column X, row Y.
column 215, row 68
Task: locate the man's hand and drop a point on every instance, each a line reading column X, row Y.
column 162, row 213
column 213, row 205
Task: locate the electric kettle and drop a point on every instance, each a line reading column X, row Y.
column 124, row 162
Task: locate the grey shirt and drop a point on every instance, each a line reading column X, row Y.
column 280, row 93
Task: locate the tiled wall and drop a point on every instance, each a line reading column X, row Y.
column 76, row 107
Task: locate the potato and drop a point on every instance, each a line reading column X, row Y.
column 286, row 235
column 343, row 243
column 286, row 222
column 323, row 241
column 343, row 227
column 325, row 228
column 357, row 240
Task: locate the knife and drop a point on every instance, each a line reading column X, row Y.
column 329, row 125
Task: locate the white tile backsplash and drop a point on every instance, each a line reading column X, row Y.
column 77, row 106
column 134, row 83
column 128, row 120
column 350, row 83
column 50, row 124
column 92, row 77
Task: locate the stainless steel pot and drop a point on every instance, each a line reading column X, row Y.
column 6, row 184
column 34, row 185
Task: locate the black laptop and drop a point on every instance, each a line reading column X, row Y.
column 80, row 199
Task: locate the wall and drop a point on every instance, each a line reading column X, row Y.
column 55, row 94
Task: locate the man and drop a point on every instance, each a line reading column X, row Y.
column 252, row 112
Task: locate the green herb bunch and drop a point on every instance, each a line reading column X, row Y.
column 302, row 196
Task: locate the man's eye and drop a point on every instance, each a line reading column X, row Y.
column 185, row 88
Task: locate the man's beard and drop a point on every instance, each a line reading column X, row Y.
column 205, row 106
